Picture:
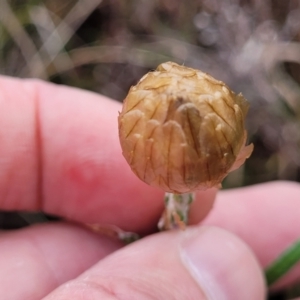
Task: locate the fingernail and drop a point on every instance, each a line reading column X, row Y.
column 222, row 265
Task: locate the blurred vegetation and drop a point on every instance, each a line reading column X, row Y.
column 107, row 45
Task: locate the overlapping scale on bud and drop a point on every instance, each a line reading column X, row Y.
column 182, row 130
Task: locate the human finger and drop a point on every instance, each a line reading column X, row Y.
column 60, row 154
column 265, row 216
column 199, row 263
column 37, row 259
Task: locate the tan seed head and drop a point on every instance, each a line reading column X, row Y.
column 182, row 130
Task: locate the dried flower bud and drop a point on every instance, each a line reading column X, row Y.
column 182, row 130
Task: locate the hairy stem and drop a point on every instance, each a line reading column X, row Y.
column 177, row 207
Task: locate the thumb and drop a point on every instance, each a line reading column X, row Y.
column 199, row 263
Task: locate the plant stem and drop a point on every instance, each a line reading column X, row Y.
column 177, row 207
column 287, row 260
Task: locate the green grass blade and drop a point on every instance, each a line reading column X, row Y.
column 287, row 260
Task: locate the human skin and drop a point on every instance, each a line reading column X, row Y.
column 60, row 154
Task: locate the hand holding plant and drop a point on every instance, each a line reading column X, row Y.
column 60, row 154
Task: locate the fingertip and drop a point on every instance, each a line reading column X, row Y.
column 222, row 265
column 255, row 213
column 203, row 204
